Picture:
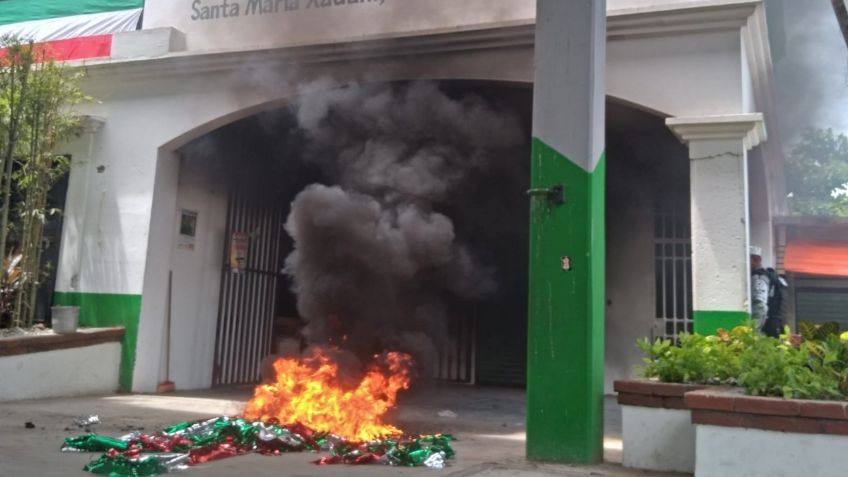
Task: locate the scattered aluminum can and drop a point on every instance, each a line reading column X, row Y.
column 436, row 461
column 86, row 421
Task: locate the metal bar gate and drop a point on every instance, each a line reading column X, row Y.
column 672, row 270
column 457, row 355
column 248, row 296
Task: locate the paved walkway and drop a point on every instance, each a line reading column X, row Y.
column 489, row 426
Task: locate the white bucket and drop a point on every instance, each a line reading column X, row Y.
column 65, row 319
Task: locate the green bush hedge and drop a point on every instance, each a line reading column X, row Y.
column 810, row 365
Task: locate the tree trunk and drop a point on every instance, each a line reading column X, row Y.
column 19, row 76
column 36, row 121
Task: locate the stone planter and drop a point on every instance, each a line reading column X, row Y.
column 768, row 437
column 60, row 365
column 657, row 431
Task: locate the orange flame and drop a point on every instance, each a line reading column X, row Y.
column 308, row 392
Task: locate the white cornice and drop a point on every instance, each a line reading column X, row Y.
column 189, row 63
column 690, row 17
column 750, row 128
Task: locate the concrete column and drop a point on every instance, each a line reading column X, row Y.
column 104, row 234
column 565, row 363
column 718, row 151
column 81, row 151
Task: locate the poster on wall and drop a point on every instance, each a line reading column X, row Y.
column 238, row 251
column 188, row 229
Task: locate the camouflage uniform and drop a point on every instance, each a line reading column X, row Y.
column 759, row 299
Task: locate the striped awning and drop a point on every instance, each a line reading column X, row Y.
column 73, row 29
column 17, row 11
column 820, row 258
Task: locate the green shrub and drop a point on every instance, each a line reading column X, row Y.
column 817, row 332
column 772, row 368
column 694, row 359
column 809, row 366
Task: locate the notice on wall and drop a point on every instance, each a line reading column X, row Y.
column 239, row 243
column 188, row 229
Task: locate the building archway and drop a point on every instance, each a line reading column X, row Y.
column 258, row 130
column 640, row 147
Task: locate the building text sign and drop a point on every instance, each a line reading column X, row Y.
column 214, row 9
column 238, row 25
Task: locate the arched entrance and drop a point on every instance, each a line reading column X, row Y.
column 224, row 321
column 241, row 180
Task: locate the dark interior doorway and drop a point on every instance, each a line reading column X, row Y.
column 260, row 160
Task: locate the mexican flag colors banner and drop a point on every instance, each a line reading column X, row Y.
column 74, row 29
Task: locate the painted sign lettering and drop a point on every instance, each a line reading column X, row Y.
column 222, row 9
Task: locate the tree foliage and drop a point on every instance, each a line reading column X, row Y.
column 36, row 96
column 817, row 174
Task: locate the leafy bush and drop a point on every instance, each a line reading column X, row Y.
column 817, row 332
column 695, row 358
column 773, row 368
column 677, row 364
column 813, row 365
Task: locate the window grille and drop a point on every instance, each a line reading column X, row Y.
column 457, row 354
column 672, row 270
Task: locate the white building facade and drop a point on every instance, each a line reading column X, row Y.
column 688, row 87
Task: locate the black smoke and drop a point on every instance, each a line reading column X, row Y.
column 377, row 261
column 811, row 67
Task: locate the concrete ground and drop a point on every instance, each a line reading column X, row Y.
column 489, row 425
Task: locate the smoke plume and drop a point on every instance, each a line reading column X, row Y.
column 377, row 263
column 812, row 78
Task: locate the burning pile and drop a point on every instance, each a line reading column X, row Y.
column 375, row 246
column 192, row 443
column 306, row 409
column 308, row 392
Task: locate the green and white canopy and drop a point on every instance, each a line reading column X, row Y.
column 50, row 20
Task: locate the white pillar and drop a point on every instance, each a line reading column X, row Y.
column 718, row 150
column 104, row 234
column 81, row 151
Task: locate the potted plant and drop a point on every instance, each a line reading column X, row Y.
column 655, row 406
column 789, row 415
column 777, row 392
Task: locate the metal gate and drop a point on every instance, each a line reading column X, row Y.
column 457, row 354
column 819, row 300
column 248, row 296
column 672, row 270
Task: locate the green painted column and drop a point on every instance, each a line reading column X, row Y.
column 566, row 292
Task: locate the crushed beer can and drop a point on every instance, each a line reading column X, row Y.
column 86, row 421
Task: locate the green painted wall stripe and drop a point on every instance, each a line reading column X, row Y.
column 14, row 11
column 102, row 309
column 566, row 315
column 708, row 322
